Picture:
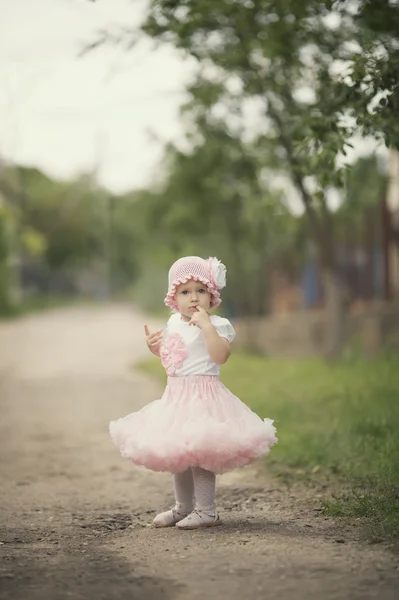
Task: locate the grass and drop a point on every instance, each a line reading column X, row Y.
column 335, row 422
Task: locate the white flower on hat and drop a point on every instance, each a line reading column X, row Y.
column 218, row 272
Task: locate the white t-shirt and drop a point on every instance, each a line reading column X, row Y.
column 184, row 351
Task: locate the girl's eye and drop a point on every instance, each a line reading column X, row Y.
column 201, row 291
column 185, row 292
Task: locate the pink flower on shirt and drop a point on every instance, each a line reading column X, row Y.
column 173, row 353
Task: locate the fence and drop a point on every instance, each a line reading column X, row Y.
column 367, row 261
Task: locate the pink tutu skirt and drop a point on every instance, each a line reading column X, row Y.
column 198, row 422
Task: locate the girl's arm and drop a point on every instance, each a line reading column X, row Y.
column 218, row 347
column 153, row 340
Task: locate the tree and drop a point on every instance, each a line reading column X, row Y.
column 366, row 185
column 214, row 201
column 273, row 52
column 287, row 56
column 373, row 67
column 68, row 226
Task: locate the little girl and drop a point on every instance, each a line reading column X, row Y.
column 198, row 428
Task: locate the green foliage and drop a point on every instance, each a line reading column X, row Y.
column 311, row 74
column 5, row 288
column 274, row 50
column 314, row 68
column 318, row 70
column 335, row 423
column 372, row 89
column 276, row 47
column 366, row 184
column 213, row 202
column 66, row 215
column 67, row 226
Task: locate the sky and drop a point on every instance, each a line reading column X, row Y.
column 66, row 114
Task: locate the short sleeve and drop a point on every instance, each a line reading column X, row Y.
column 175, row 318
column 225, row 329
column 169, row 322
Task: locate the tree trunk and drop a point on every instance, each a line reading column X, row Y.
column 235, row 233
column 335, row 331
column 334, row 300
column 321, row 230
column 386, row 240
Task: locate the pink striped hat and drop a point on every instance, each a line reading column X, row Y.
column 211, row 272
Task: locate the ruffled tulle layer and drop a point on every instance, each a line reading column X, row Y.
column 197, row 422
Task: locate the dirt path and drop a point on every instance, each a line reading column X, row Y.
column 74, row 517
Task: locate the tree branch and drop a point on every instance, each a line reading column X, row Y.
column 294, row 164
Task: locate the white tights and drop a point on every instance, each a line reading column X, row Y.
column 195, row 482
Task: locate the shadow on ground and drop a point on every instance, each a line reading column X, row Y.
column 73, row 570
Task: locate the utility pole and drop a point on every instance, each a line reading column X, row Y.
column 108, row 208
column 391, row 206
column 9, row 204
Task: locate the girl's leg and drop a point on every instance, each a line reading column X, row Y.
column 184, row 490
column 184, row 493
column 204, row 485
column 204, row 514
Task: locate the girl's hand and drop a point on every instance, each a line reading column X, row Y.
column 153, row 340
column 200, row 318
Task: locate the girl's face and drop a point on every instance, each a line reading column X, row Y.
column 190, row 295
